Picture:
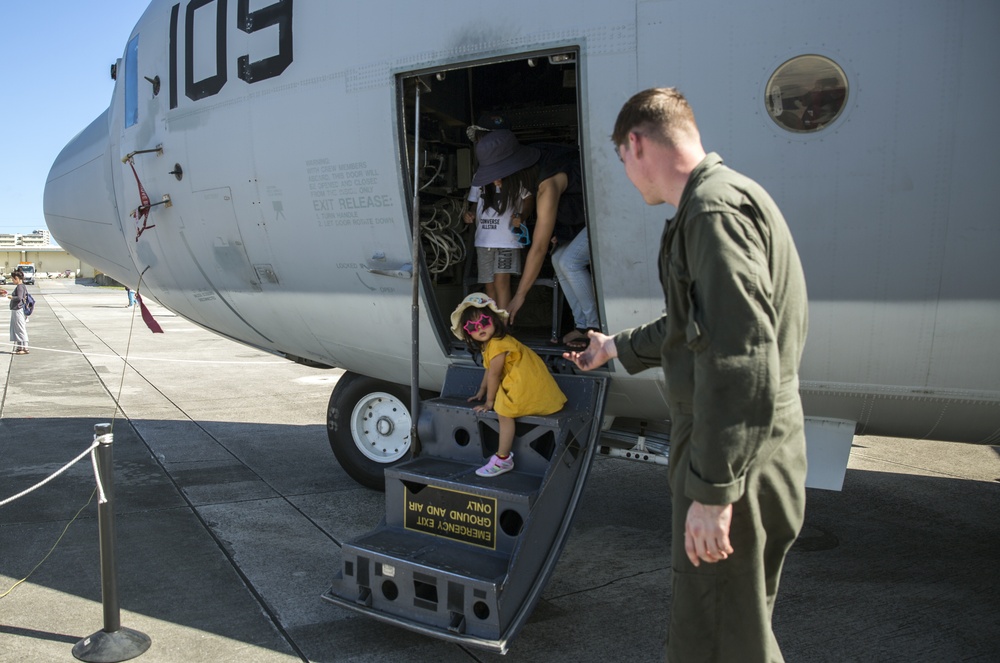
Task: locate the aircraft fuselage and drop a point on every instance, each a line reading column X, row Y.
column 276, row 149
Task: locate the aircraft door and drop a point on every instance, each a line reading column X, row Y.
column 535, row 96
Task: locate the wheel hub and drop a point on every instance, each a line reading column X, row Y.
column 380, row 427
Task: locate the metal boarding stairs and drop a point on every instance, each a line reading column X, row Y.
column 465, row 558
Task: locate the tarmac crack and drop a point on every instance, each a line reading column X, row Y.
column 610, row 583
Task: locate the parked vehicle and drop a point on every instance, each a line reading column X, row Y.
column 29, row 272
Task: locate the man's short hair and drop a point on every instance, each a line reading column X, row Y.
column 661, row 113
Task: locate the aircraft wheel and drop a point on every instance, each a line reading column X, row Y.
column 368, row 423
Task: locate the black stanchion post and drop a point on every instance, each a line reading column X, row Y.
column 113, row 643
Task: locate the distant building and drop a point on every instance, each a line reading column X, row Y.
column 37, row 238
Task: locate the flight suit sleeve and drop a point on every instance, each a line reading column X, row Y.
column 731, row 332
column 639, row 348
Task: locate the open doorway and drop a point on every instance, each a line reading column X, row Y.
column 536, row 97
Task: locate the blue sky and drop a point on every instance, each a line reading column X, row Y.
column 55, row 62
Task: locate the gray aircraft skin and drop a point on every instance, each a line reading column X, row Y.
column 275, row 145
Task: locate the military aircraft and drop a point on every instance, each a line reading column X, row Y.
column 269, row 170
column 259, row 164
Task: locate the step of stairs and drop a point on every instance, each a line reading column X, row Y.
column 463, row 557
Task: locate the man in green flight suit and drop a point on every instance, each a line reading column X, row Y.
column 730, row 345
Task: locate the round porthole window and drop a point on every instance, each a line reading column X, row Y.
column 806, row 93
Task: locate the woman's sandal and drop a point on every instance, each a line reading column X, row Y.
column 578, row 338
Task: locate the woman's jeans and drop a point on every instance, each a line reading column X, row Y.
column 572, row 265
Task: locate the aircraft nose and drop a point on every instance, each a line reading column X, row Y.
column 80, row 207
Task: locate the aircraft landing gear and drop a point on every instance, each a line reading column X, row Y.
column 368, row 423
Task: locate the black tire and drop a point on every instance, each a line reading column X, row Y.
column 364, row 451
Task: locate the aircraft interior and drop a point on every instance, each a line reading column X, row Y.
column 536, row 96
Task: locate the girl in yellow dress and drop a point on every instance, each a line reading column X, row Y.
column 516, row 382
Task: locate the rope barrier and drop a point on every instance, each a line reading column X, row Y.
column 73, row 462
column 113, row 642
column 104, row 439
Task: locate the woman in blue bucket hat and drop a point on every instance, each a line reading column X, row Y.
column 552, row 173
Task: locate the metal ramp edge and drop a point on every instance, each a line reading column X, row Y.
column 539, row 544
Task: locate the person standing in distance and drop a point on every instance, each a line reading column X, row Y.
column 18, row 321
column 730, row 344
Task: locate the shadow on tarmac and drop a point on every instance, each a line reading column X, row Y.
column 896, row 567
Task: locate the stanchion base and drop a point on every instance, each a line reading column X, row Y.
column 104, row 647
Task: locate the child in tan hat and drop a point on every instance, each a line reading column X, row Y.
column 516, row 382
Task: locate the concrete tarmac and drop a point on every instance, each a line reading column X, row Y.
column 231, row 510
